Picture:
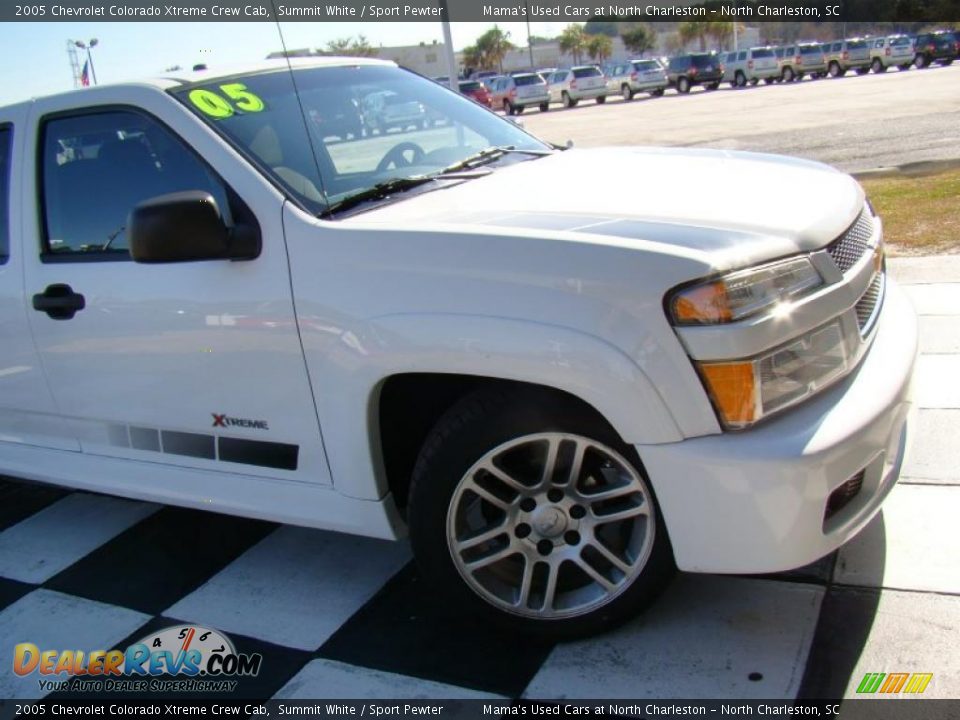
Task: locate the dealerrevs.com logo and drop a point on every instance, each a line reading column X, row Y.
column 181, row 658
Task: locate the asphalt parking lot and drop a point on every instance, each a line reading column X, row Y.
column 340, row 616
column 855, row 122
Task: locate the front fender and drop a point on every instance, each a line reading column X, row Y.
column 580, row 364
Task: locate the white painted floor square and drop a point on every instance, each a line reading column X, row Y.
column 54, row 621
column 702, row 639
column 331, row 679
column 51, row 540
column 935, row 299
column 937, row 381
column 913, row 633
column 934, row 455
column 295, row 587
column 911, row 545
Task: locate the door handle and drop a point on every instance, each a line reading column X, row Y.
column 59, row 301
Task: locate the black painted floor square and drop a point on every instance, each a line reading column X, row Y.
column 155, row 563
column 399, row 631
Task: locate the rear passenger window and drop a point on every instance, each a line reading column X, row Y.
column 98, row 166
column 6, row 152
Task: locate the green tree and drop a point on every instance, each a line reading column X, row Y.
column 639, row 39
column 356, row 47
column 695, row 30
column 493, row 46
column 599, row 47
column 573, row 41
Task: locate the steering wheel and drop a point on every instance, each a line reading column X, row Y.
column 397, row 156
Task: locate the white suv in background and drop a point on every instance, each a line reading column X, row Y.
column 751, row 66
column 629, row 78
column 584, row 82
column 893, row 50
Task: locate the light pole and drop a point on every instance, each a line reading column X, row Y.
column 88, row 47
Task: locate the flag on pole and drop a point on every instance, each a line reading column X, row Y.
column 85, row 75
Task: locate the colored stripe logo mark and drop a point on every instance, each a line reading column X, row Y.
column 892, row 683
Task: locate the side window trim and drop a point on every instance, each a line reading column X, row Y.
column 6, row 189
column 45, row 255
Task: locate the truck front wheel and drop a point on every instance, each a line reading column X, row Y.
column 526, row 509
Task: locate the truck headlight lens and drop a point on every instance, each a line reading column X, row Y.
column 748, row 390
column 744, row 293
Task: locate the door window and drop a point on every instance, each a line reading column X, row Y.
column 6, row 145
column 98, row 166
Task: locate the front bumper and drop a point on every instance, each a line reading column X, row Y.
column 755, row 501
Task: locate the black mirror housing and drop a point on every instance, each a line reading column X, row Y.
column 186, row 227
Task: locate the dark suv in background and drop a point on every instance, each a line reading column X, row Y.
column 685, row 71
column 940, row 46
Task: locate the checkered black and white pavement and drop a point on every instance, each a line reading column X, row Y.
column 336, row 616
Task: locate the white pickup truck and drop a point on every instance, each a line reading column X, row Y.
column 563, row 373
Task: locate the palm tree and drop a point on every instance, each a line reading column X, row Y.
column 638, row 39
column 695, row 29
column 573, row 41
column 599, row 47
column 494, row 45
column 722, row 31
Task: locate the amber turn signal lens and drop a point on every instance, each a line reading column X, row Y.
column 733, row 389
column 704, row 304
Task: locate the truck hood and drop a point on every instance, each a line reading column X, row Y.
column 745, row 207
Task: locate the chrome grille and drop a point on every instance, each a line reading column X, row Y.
column 869, row 303
column 850, row 247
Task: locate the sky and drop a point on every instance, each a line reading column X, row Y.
column 33, row 56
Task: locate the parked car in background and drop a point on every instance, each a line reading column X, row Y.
column 751, row 66
column 685, row 71
column 801, row 60
column 483, row 75
column 893, row 50
column 935, row 47
column 515, row 93
column 476, row 90
column 845, row 55
column 584, row 82
column 629, row 78
column 385, row 110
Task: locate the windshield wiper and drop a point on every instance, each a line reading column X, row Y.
column 380, row 191
column 489, row 155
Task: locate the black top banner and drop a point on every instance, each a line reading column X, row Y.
column 750, row 11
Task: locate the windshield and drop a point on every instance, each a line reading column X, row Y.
column 762, row 53
column 856, row 44
column 811, row 50
column 702, row 61
column 365, row 125
column 522, row 80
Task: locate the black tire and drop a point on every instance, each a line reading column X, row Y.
column 683, row 85
column 948, row 61
column 788, row 74
column 712, row 86
column 601, row 100
column 769, row 81
column 657, row 93
column 835, row 70
column 754, row 81
column 479, row 423
column 508, row 107
column 904, row 67
column 544, row 107
column 921, row 61
column 518, row 109
column 739, row 79
column 863, row 71
column 627, row 92
column 877, row 66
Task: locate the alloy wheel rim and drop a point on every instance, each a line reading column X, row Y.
column 550, row 525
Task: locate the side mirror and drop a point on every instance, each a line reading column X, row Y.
column 185, row 227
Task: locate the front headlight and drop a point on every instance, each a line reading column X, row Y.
column 747, row 292
column 745, row 391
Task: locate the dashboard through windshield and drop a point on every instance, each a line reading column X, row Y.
column 325, row 133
